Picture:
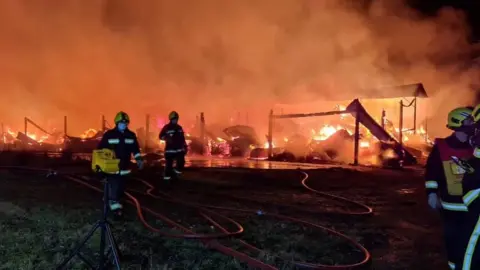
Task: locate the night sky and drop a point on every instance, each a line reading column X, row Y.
column 471, row 7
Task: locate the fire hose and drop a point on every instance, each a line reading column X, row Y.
column 210, row 240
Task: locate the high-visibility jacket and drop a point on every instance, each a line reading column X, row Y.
column 124, row 144
column 471, row 189
column 174, row 138
column 444, row 176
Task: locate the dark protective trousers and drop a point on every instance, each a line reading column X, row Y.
column 116, row 184
column 170, row 158
column 457, row 230
column 471, row 251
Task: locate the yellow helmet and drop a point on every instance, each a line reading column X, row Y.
column 121, row 117
column 457, row 116
column 476, row 113
column 173, row 115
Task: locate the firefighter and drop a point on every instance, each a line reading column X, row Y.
column 471, row 190
column 443, row 182
column 175, row 146
column 124, row 143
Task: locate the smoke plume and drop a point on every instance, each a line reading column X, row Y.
column 87, row 58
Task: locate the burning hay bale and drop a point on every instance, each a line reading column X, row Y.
column 297, row 145
column 195, row 145
column 241, row 139
column 333, row 147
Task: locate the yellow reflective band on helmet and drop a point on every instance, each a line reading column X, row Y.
column 457, row 116
column 476, row 113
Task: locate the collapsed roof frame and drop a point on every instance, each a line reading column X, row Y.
column 356, row 109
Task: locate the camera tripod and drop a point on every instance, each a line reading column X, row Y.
column 112, row 254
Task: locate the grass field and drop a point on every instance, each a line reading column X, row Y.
column 41, row 219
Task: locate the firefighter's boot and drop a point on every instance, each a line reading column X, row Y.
column 115, row 205
column 177, row 173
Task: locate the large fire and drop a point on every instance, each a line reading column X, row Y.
column 312, row 133
column 326, row 131
column 89, row 133
column 9, row 136
column 343, row 125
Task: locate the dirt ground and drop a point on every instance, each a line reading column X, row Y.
column 42, row 218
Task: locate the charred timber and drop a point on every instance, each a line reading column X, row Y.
column 359, row 112
column 25, row 139
column 299, row 115
column 27, row 120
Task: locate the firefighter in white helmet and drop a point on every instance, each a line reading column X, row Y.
column 443, row 182
column 175, row 146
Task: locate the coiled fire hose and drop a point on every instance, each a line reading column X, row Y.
column 210, row 240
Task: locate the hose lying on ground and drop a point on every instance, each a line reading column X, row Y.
column 366, row 210
column 210, row 239
column 366, row 259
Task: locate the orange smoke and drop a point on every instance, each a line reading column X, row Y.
column 87, row 58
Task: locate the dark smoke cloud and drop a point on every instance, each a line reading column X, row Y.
column 87, row 58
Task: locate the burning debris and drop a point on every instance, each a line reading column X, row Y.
column 346, row 132
column 350, row 131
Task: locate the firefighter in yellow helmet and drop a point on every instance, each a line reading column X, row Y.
column 443, row 181
column 175, row 146
column 125, row 144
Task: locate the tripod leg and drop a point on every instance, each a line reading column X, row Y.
column 101, row 260
column 113, row 246
column 86, row 261
column 79, row 246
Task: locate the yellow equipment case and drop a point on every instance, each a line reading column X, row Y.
column 104, row 160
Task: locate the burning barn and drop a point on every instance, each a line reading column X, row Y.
column 30, row 141
column 233, row 141
column 380, row 130
column 349, row 132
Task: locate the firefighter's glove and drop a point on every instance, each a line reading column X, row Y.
column 140, row 164
column 433, row 201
